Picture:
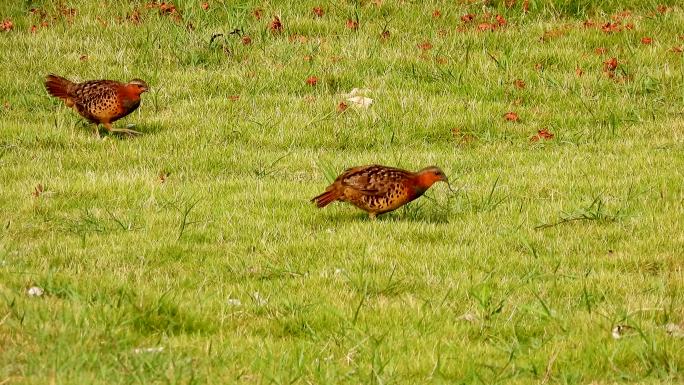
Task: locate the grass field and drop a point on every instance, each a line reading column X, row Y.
column 191, row 254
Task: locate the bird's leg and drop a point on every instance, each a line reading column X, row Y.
column 109, row 128
column 372, row 216
column 97, row 130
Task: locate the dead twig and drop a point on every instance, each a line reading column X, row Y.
column 549, row 367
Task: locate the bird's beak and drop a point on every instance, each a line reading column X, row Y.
column 446, row 180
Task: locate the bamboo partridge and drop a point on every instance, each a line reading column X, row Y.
column 379, row 189
column 99, row 101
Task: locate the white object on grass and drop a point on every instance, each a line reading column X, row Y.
column 158, row 349
column 619, row 331
column 260, row 301
column 675, row 330
column 234, row 302
column 35, row 291
column 470, row 317
column 357, row 98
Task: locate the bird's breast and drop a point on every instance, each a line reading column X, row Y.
column 129, row 105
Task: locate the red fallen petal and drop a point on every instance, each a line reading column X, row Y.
column 542, row 134
column 610, row 64
column 342, row 107
column 312, row 80
column 511, row 116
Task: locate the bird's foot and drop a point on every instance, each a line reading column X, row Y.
column 126, row 131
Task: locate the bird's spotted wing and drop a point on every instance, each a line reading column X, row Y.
column 94, row 90
column 373, row 179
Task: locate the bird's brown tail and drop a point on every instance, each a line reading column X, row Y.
column 326, row 198
column 58, row 86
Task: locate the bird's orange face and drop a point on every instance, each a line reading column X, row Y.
column 428, row 176
column 136, row 87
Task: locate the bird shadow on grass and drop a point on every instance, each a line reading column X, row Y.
column 142, row 129
column 417, row 215
column 414, row 215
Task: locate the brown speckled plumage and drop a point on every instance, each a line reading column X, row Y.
column 99, row 101
column 379, row 189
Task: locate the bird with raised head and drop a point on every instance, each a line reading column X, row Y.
column 99, row 101
column 379, row 189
